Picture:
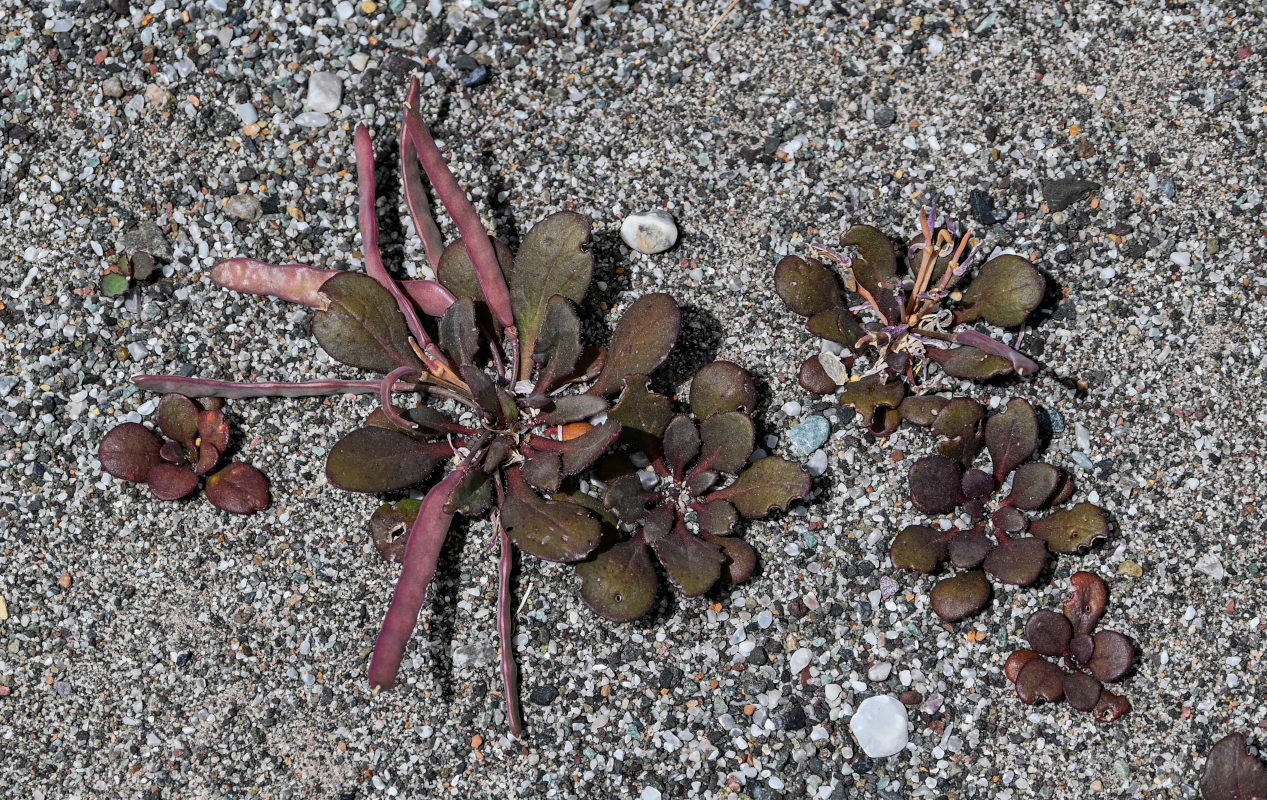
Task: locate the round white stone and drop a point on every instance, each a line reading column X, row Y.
column 246, row 112
column 325, row 92
column 879, row 725
column 649, row 233
column 311, row 119
column 799, row 660
column 880, row 671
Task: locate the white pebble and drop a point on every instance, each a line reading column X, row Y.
column 650, row 233
column 650, row 793
column 879, row 725
column 1182, row 259
column 817, row 463
column 325, row 92
column 935, row 46
column 799, row 660
column 359, row 61
column 311, row 119
column 246, row 112
column 344, row 10
column 880, row 671
column 792, row 408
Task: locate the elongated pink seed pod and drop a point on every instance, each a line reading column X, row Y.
column 294, row 283
column 505, row 631
column 430, row 296
column 231, row 390
column 415, row 193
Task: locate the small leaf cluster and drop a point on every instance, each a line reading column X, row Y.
column 126, row 271
column 196, row 439
column 914, row 313
column 1084, row 661
column 990, row 542
column 680, row 507
column 1232, row 772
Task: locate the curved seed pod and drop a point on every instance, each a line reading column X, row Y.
column 294, row 283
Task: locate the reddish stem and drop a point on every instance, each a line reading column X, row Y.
column 422, row 554
column 474, row 235
column 385, row 396
column 415, row 194
column 294, row 283
column 204, row 387
column 505, row 630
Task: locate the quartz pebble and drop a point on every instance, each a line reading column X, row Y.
column 244, row 206
column 112, row 87
column 649, row 233
column 311, row 119
column 246, row 112
column 325, row 92
column 817, row 463
column 880, row 671
column 879, row 725
column 799, row 660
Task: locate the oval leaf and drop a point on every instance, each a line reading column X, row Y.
column 1006, row 290
column 1110, row 706
column 1033, row 485
column 640, row 409
column 642, row 341
column 362, row 326
column 238, row 488
column 618, row 581
column 459, row 332
column 693, row 564
column 1016, row 662
column 129, row 451
column 814, row 378
column 720, row 387
column 1112, row 655
column 767, row 483
column 1072, row 529
column 727, row 442
column 171, row 482
column 548, row 529
column 1040, row 680
column 457, row 274
column 960, row 596
column 806, row 286
column 1086, row 604
column 1231, row 773
column 715, row 516
column 919, row 548
column 558, row 345
column 382, row 460
column 1018, row 562
column 178, row 419
column 837, row 325
column 1011, row 437
column 553, row 259
column 579, row 453
column 922, row 411
column 936, row 484
column 213, row 429
column 741, row 560
column 969, row 363
column 871, row 392
column 969, row 548
column 875, row 261
column 1048, row 632
column 681, row 444
column 1081, row 648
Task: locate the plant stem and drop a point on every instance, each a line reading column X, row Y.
column 204, row 387
column 384, row 396
column 505, row 630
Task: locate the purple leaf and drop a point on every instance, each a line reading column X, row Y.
column 977, row 484
column 554, row 259
column 1086, row 603
column 715, row 516
column 548, row 529
column 936, row 484
column 208, row 457
column 837, row 325
column 1081, row 647
column 681, row 444
column 727, row 438
column 969, row 362
column 129, row 451
column 1110, row 706
column 1040, row 680
column 171, row 482
column 1048, row 632
column 1021, row 364
column 415, row 194
column 1112, row 657
column 642, row 341
column 373, row 459
column 967, row 549
column 922, row 411
column 741, row 560
column 767, row 483
column 1018, row 562
column 558, row 344
column 362, row 327
column 875, row 261
column 873, row 392
column 1033, row 485
column 238, row 488
column 1231, row 773
column 213, row 429
column 1011, row 437
column 640, row 409
column 693, row 564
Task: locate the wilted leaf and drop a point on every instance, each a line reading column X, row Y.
column 693, row 564
column 178, row 419
column 1017, row 561
column 1071, row 529
column 640, row 409
column 142, row 265
column 960, row 596
column 969, row 362
column 806, row 286
column 1087, row 602
column 459, row 332
column 875, row 261
column 681, row 444
column 389, row 528
column 1011, row 436
column 1040, row 680
column 208, row 457
column 837, row 325
column 382, row 460
column 969, row 548
column 362, row 325
column 1048, row 632
column 642, row 341
column 558, row 345
column 741, row 560
column 238, row 488
column 548, row 529
column 728, row 438
column 1231, row 773
column 1033, row 485
column 1110, row 706
column 171, row 482
column 1006, row 290
column 715, row 516
column 767, row 483
column 720, row 387
column 129, row 451
column 618, row 581
column 553, row 260
column 922, row 410
column 936, row 484
column 1112, row 657
column 919, row 548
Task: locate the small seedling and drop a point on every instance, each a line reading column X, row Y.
column 681, row 507
column 1232, row 772
column 989, row 540
column 196, row 440
column 1084, row 662
column 126, row 272
column 913, row 316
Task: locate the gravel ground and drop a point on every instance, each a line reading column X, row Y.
column 171, row 650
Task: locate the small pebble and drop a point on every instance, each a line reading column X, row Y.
column 65, row 581
column 244, row 206
column 649, row 233
column 792, row 408
column 799, row 660
column 1182, row 259
column 312, row 119
column 880, row 671
column 817, row 463
column 879, row 725
column 344, row 10
column 246, row 113
column 325, row 92
column 112, row 87
column 1131, row 569
column 359, row 61
column 808, row 436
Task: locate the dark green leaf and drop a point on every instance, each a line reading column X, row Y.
column 837, row 325
column 922, row 411
column 806, row 286
column 178, row 419
column 936, row 484
column 728, row 438
column 875, row 261
column 553, row 259
column 681, row 444
column 618, row 581
column 171, row 482
column 558, row 344
column 1048, row 632
column 571, row 408
column 658, row 522
column 474, row 494
column 1032, row 485
column 715, row 516
column 428, row 420
column 238, row 488
column 1006, row 290
column 642, row 341
column 640, row 409
column 548, row 529
column 722, row 386
column 585, row 449
column 1231, row 773
column 1011, row 437
column 767, row 483
column 1018, row 562
column 362, row 326
column 483, row 391
column 129, row 451
column 543, row 470
column 960, row 596
column 919, row 548
column 1082, row 691
column 693, row 564
column 457, row 274
column 969, row 548
column 969, row 362
column 382, row 460
column 1112, row 656
column 459, row 334
column 959, row 426
column 1071, row 529
column 389, row 528
column 871, row 392
column 884, row 423
column 113, row 284
column 1040, row 680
